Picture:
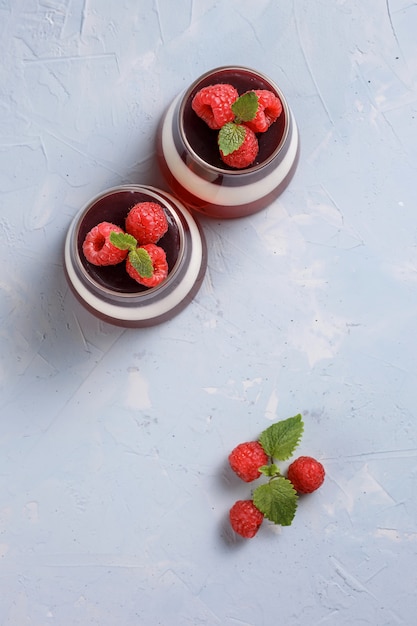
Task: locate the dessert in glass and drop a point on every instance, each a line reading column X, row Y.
column 188, row 153
column 108, row 291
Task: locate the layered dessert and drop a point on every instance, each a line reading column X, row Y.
column 189, row 156
column 128, row 268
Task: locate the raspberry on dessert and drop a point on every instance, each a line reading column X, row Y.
column 147, row 222
column 306, row 474
column 246, row 153
column 213, row 104
column 269, row 110
column 246, row 459
column 97, row 247
column 160, row 266
column 245, row 518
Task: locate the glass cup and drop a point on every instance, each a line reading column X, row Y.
column 108, row 291
column 189, row 159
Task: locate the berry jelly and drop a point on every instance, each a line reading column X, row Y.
column 189, row 158
column 108, row 291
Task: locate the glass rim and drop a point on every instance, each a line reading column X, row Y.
column 147, row 292
column 225, row 171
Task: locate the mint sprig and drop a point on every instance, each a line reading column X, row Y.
column 139, row 257
column 277, row 499
column 232, row 134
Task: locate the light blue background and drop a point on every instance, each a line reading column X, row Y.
column 114, row 484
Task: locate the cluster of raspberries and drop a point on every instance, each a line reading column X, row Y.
column 147, row 223
column 305, row 473
column 213, row 104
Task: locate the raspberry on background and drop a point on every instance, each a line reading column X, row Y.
column 160, row 267
column 213, row 104
column 146, row 222
column 246, row 459
column 269, row 110
column 97, row 247
column 306, row 474
column 245, row 518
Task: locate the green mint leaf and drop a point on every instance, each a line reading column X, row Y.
column 142, row 262
column 277, row 500
column 280, row 440
column 245, row 107
column 269, row 470
column 231, row 137
column 123, row 241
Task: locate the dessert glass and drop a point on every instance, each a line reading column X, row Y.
column 189, row 159
column 109, row 292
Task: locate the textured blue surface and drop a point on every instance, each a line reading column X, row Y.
column 114, row 484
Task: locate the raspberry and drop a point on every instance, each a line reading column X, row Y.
column 245, row 518
column 306, row 474
column 245, row 154
column 98, row 248
column 269, row 110
column 160, row 267
column 214, row 104
column 246, row 459
column 147, row 222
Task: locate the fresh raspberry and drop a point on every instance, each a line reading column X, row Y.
column 160, row 267
column 214, row 104
column 245, row 154
column 98, row 248
column 306, row 474
column 147, row 222
column 245, row 518
column 246, row 459
column 269, row 110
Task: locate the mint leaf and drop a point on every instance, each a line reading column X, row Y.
column 123, row 241
column 142, row 262
column 277, row 500
column 280, row 440
column 231, row 137
column 269, row 470
column 245, row 107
